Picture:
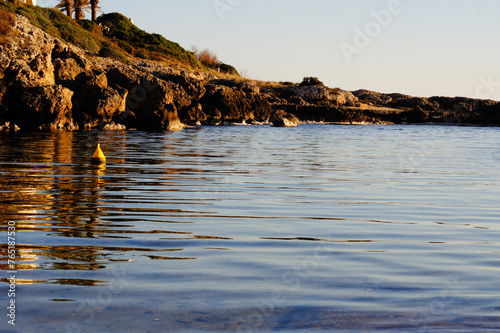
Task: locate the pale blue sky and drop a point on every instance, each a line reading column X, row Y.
column 417, row 47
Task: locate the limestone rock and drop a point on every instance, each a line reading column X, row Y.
column 44, row 107
column 67, row 71
column 48, row 84
column 282, row 119
column 193, row 115
column 372, row 97
column 151, row 102
column 31, row 54
column 114, row 127
column 235, row 102
column 99, row 103
column 320, row 94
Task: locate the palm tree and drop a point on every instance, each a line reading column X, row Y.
column 93, row 7
column 74, row 6
column 79, row 6
column 66, row 5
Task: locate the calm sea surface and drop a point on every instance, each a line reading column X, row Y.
column 254, row 229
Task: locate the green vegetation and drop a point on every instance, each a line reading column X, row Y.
column 113, row 35
column 109, row 52
column 133, row 40
column 225, row 68
column 56, row 24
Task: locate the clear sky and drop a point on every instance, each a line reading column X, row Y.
column 417, row 47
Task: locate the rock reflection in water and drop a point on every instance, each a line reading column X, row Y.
column 54, row 194
column 255, row 229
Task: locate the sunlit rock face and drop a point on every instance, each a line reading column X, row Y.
column 47, row 84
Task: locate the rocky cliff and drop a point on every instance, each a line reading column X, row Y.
column 47, row 84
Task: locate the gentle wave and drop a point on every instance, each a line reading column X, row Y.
column 255, row 228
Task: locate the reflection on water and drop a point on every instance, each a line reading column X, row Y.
column 255, row 229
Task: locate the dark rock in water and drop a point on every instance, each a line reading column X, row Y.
column 96, row 104
column 105, row 93
column 490, row 114
column 150, row 100
column 193, row 114
column 234, row 102
column 417, row 115
column 408, row 109
column 315, row 113
column 282, row 119
column 4, row 100
column 44, row 108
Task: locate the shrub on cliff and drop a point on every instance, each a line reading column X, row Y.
column 90, row 26
column 131, row 38
column 55, row 24
column 6, row 21
column 113, row 28
column 311, row 81
column 206, row 57
column 228, row 69
column 109, row 52
column 210, row 60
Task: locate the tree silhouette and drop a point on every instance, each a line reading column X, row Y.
column 67, row 6
column 78, row 6
column 93, row 7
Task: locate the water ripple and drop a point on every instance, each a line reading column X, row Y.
column 256, row 228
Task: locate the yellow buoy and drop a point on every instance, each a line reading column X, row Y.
column 98, row 158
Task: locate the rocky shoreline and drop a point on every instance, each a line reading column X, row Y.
column 47, row 84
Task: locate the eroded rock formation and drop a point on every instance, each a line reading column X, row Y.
column 46, row 84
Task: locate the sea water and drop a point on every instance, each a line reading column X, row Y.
column 252, row 229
